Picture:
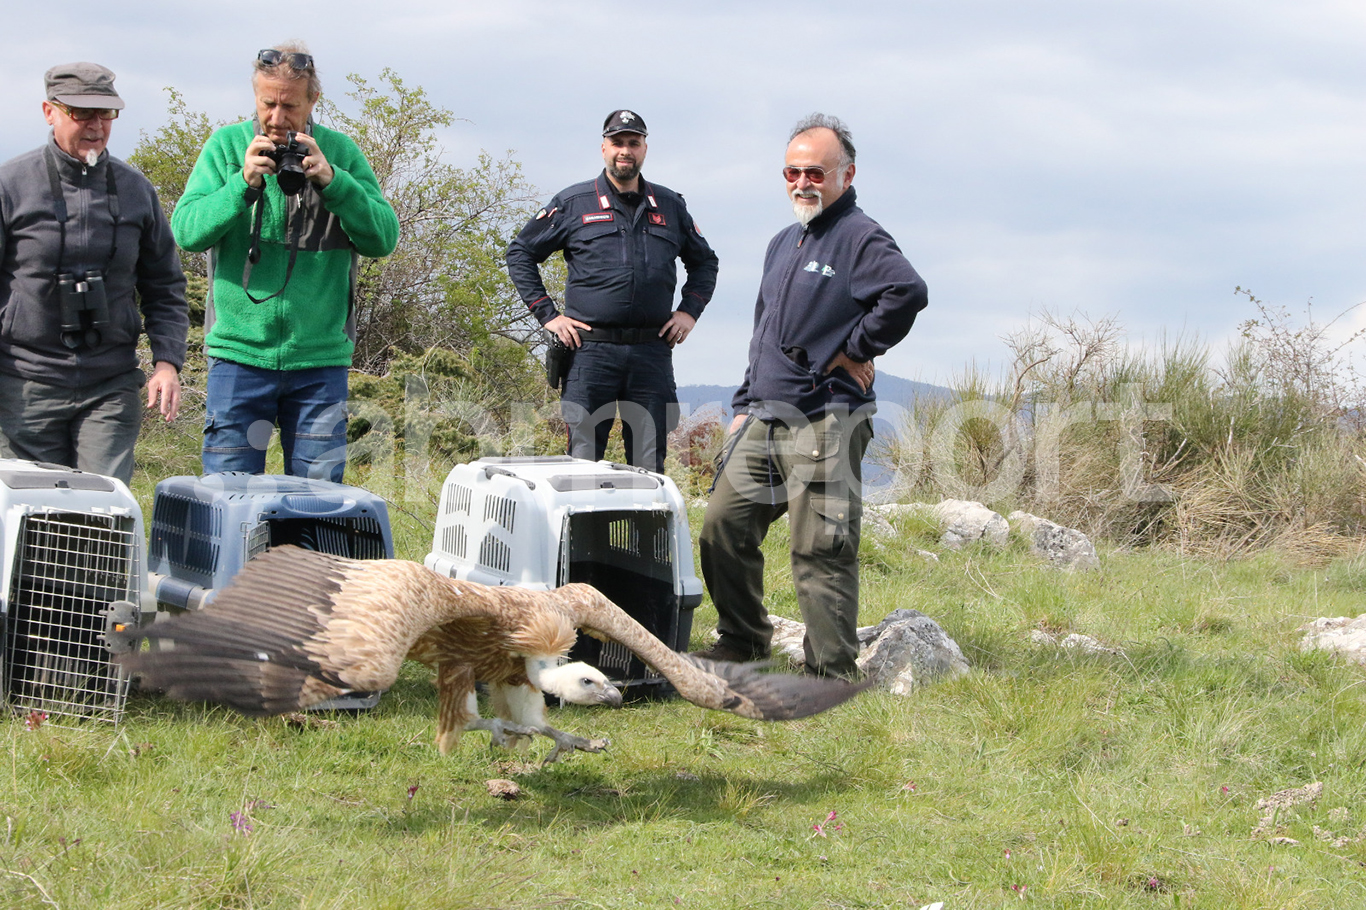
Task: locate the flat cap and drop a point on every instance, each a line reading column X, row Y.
column 624, row 122
column 82, row 85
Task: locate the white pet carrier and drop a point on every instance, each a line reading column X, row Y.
column 73, row 569
column 543, row 522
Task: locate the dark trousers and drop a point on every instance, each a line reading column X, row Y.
column 632, row 381
column 91, row 428
column 813, row 473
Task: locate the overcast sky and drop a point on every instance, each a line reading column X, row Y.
column 1136, row 158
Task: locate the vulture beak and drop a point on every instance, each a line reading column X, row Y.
column 611, row 696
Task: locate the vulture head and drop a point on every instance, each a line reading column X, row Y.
column 577, row 683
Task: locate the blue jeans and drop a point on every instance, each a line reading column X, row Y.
column 634, row 381
column 246, row 403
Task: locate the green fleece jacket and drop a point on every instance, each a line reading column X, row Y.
column 308, row 325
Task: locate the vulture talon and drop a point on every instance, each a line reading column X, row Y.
column 568, row 742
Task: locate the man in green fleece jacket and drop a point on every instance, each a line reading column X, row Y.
column 280, row 331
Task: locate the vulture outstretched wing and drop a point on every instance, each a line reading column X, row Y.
column 297, row 627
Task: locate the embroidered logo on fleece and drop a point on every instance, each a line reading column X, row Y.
column 823, row 270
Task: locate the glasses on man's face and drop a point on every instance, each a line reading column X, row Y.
column 271, row 57
column 82, row 114
column 815, row 175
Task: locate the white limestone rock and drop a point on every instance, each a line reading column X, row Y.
column 1341, row 634
column 967, row 521
column 1065, row 548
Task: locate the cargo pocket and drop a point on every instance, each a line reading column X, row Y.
column 833, row 532
column 815, row 455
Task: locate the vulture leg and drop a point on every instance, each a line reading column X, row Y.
column 456, row 704
column 502, row 733
column 505, row 702
column 526, row 706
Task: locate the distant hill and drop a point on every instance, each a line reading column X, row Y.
column 890, row 389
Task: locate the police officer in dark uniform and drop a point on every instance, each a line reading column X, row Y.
column 621, row 236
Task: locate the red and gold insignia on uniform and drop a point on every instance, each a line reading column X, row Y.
column 656, row 218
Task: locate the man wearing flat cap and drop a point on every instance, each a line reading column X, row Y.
column 622, row 237
column 87, row 264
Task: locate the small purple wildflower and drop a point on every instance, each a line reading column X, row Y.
column 412, row 791
column 35, row 719
column 241, row 822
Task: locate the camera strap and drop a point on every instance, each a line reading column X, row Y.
column 254, row 251
column 59, row 206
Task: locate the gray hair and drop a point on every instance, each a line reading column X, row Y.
column 283, row 70
column 819, row 121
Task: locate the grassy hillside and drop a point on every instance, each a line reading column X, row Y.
column 1057, row 779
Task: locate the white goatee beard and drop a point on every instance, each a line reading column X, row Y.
column 92, row 158
column 806, row 212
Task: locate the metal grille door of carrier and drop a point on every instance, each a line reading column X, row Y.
column 69, row 568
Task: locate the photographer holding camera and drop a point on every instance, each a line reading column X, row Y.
column 86, row 261
column 285, row 208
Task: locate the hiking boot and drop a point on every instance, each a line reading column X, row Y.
column 721, row 652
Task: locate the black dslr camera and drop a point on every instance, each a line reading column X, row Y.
column 84, row 308
column 289, row 165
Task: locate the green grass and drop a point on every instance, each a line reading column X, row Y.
column 1043, row 778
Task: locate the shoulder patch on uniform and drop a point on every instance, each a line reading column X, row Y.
column 657, row 218
column 591, row 217
column 541, row 214
column 697, row 228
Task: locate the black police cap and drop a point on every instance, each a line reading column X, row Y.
column 624, row 122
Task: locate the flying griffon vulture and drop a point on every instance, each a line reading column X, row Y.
column 297, row 627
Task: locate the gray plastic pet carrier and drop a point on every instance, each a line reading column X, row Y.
column 204, row 529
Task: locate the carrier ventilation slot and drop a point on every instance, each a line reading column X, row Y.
column 455, row 541
column 494, row 554
column 458, row 497
column 501, row 510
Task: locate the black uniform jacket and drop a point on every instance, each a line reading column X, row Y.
column 622, row 264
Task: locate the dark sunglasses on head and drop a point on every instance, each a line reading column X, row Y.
column 271, row 57
column 813, row 174
column 82, row 114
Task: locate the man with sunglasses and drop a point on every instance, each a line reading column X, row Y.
column 836, row 292
column 622, row 237
column 87, row 264
column 279, row 327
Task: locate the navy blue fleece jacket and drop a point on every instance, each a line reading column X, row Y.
column 840, row 284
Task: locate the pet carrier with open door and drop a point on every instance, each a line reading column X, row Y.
column 541, row 522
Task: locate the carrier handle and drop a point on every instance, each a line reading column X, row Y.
column 615, row 466
column 490, row 470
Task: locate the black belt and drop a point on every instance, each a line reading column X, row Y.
column 623, row 336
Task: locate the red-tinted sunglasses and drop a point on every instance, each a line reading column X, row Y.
column 815, row 175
